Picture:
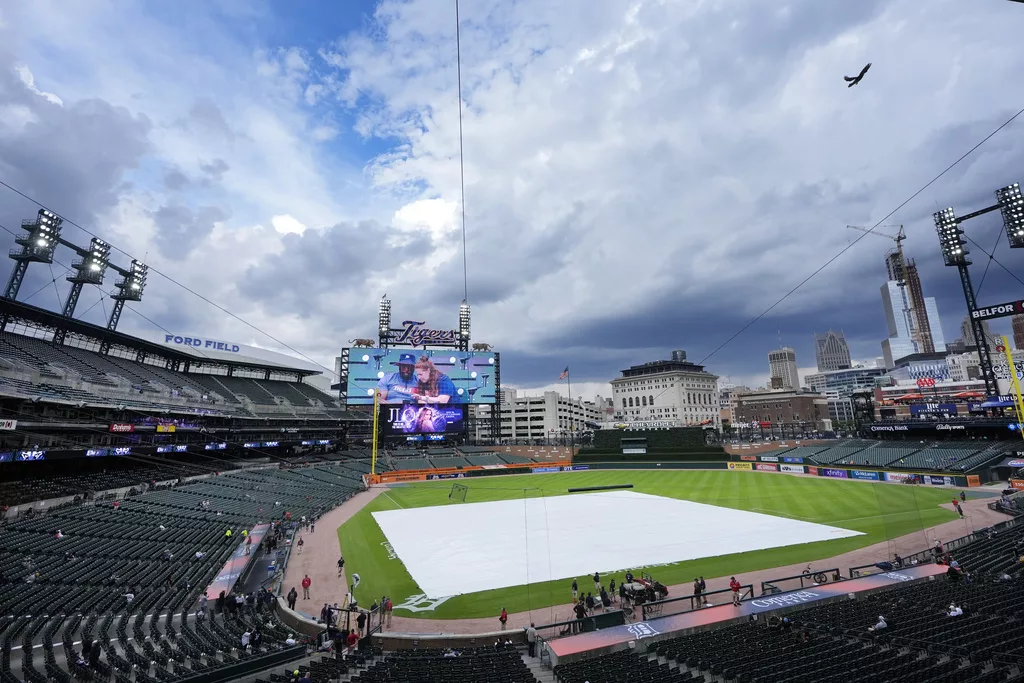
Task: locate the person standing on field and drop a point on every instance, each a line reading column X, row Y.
column 503, row 618
column 575, row 591
column 597, row 583
column 735, row 586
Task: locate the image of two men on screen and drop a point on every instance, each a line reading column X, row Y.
column 423, row 389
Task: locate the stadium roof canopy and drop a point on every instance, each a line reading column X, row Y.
column 17, row 313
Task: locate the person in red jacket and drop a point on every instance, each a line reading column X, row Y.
column 503, row 618
column 734, row 585
column 306, row 583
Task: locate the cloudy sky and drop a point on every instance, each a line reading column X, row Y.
column 640, row 176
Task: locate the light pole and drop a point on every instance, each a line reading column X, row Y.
column 954, row 254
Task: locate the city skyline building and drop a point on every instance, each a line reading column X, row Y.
column 782, row 365
column 831, row 352
column 905, row 337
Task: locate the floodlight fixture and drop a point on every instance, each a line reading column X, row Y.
column 91, row 268
column 954, row 249
column 464, row 320
column 43, row 237
column 129, row 288
column 36, row 246
column 384, row 317
column 1011, row 206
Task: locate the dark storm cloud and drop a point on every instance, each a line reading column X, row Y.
column 601, row 348
column 334, row 260
column 73, row 158
column 497, row 273
column 179, row 229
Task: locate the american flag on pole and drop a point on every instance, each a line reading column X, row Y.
column 565, row 373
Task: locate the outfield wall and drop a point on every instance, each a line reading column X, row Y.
column 795, row 465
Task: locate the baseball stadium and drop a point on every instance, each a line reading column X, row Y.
column 181, row 507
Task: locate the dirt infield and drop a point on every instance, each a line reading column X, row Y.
column 321, row 550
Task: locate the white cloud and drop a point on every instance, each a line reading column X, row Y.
column 25, row 74
column 702, row 158
column 286, row 224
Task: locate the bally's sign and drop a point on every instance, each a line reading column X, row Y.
column 998, row 311
column 200, row 343
column 413, row 333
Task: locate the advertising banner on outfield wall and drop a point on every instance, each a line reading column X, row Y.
column 812, row 470
column 939, row 481
column 453, row 475
column 829, row 472
column 741, row 466
column 767, row 467
column 541, row 470
column 749, row 458
column 789, row 458
column 795, row 469
column 898, row 477
column 577, row 468
column 864, row 475
column 1017, row 483
column 973, row 480
column 769, row 458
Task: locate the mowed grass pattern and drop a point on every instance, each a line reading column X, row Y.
column 881, row 511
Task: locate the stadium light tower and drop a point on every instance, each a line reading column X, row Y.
column 384, row 321
column 36, row 247
column 129, row 288
column 88, row 270
column 955, row 254
column 464, row 325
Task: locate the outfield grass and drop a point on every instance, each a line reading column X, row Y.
column 881, row 511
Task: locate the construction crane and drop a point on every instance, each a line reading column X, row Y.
column 904, row 272
column 898, row 239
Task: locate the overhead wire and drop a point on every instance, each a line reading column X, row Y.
column 462, row 156
column 849, row 246
column 993, row 259
column 988, row 264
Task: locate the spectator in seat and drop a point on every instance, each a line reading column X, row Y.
column 954, row 611
column 879, row 625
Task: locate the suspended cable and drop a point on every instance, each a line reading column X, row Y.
column 862, row 236
column 462, row 156
column 991, row 257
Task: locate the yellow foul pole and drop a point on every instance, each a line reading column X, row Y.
column 1018, row 401
column 376, row 412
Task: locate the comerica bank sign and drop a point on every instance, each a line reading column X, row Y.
column 199, row 342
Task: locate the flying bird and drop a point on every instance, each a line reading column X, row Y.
column 854, row 80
